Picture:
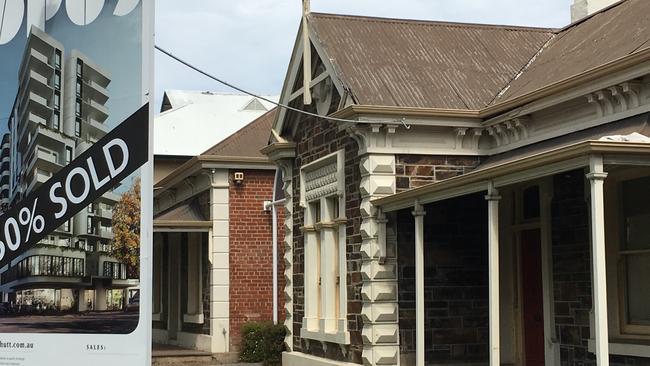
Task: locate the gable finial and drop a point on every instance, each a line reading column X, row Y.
column 306, row 54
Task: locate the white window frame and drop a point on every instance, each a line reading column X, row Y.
column 623, row 340
column 322, row 188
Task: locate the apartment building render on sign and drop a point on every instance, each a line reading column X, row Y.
column 59, row 112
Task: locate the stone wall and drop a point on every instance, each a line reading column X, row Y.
column 315, row 139
column 572, row 276
column 571, row 267
column 413, row 171
column 456, row 287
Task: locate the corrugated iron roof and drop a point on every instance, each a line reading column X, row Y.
column 424, row 64
column 248, row 141
column 198, row 120
column 614, row 33
column 409, row 63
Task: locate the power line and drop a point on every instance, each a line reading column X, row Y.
column 241, row 90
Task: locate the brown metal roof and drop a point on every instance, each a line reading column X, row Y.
column 617, row 32
column 408, row 63
column 248, row 141
column 457, row 66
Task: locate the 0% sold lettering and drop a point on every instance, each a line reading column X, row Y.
column 28, row 222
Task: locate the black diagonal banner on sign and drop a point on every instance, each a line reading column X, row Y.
column 103, row 166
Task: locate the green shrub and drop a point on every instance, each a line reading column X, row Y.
column 262, row 342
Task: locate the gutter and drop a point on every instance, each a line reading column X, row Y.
column 495, row 110
column 203, row 161
column 538, row 160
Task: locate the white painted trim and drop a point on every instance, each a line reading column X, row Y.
column 551, row 344
column 302, row 359
column 584, row 89
column 541, row 171
column 196, row 341
column 493, row 269
column 570, row 129
column 418, row 214
column 439, row 196
column 623, row 349
column 596, row 179
column 219, row 244
column 339, row 337
column 193, row 318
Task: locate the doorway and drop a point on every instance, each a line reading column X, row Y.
column 532, row 297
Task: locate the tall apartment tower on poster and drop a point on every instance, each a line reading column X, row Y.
column 5, row 172
column 60, row 112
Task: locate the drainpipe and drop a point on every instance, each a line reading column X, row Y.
column 272, row 206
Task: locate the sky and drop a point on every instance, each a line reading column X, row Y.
column 112, row 42
column 249, row 42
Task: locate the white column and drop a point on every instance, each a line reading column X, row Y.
column 329, row 267
column 596, row 177
column 220, row 254
column 418, row 214
column 312, row 275
column 493, row 269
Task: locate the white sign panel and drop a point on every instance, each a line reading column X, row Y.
column 75, row 178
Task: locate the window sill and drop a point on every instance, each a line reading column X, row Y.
column 340, row 337
column 617, row 347
column 193, row 318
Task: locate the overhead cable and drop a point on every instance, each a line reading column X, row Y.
column 242, row 90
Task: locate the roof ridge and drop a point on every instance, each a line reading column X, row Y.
column 438, row 23
column 244, row 130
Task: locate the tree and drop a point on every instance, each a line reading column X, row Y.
column 126, row 230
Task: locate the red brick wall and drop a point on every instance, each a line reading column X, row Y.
column 251, row 252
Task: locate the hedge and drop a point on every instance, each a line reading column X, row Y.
column 262, row 342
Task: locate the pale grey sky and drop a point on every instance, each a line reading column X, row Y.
column 249, row 42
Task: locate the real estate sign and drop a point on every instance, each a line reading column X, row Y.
column 75, row 221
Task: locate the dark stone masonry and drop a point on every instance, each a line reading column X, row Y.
column 414, row 171
column 456, row 287
column 572, row 276
column 318, row 138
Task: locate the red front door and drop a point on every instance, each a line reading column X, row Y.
column 533, row 311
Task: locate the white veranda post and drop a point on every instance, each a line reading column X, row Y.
column 596, row 177
column 493, row 269
column 418, row 214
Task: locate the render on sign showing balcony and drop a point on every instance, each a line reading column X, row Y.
column 29, row 123
column 92, row 72
column 45, row 160
column 106, row 232
column 95, row 128
column 93, row 90
column 94, row 110
column 103, row 213
column 37, row 62
column 40, row 176
column 37, row 104
column 37, row 83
